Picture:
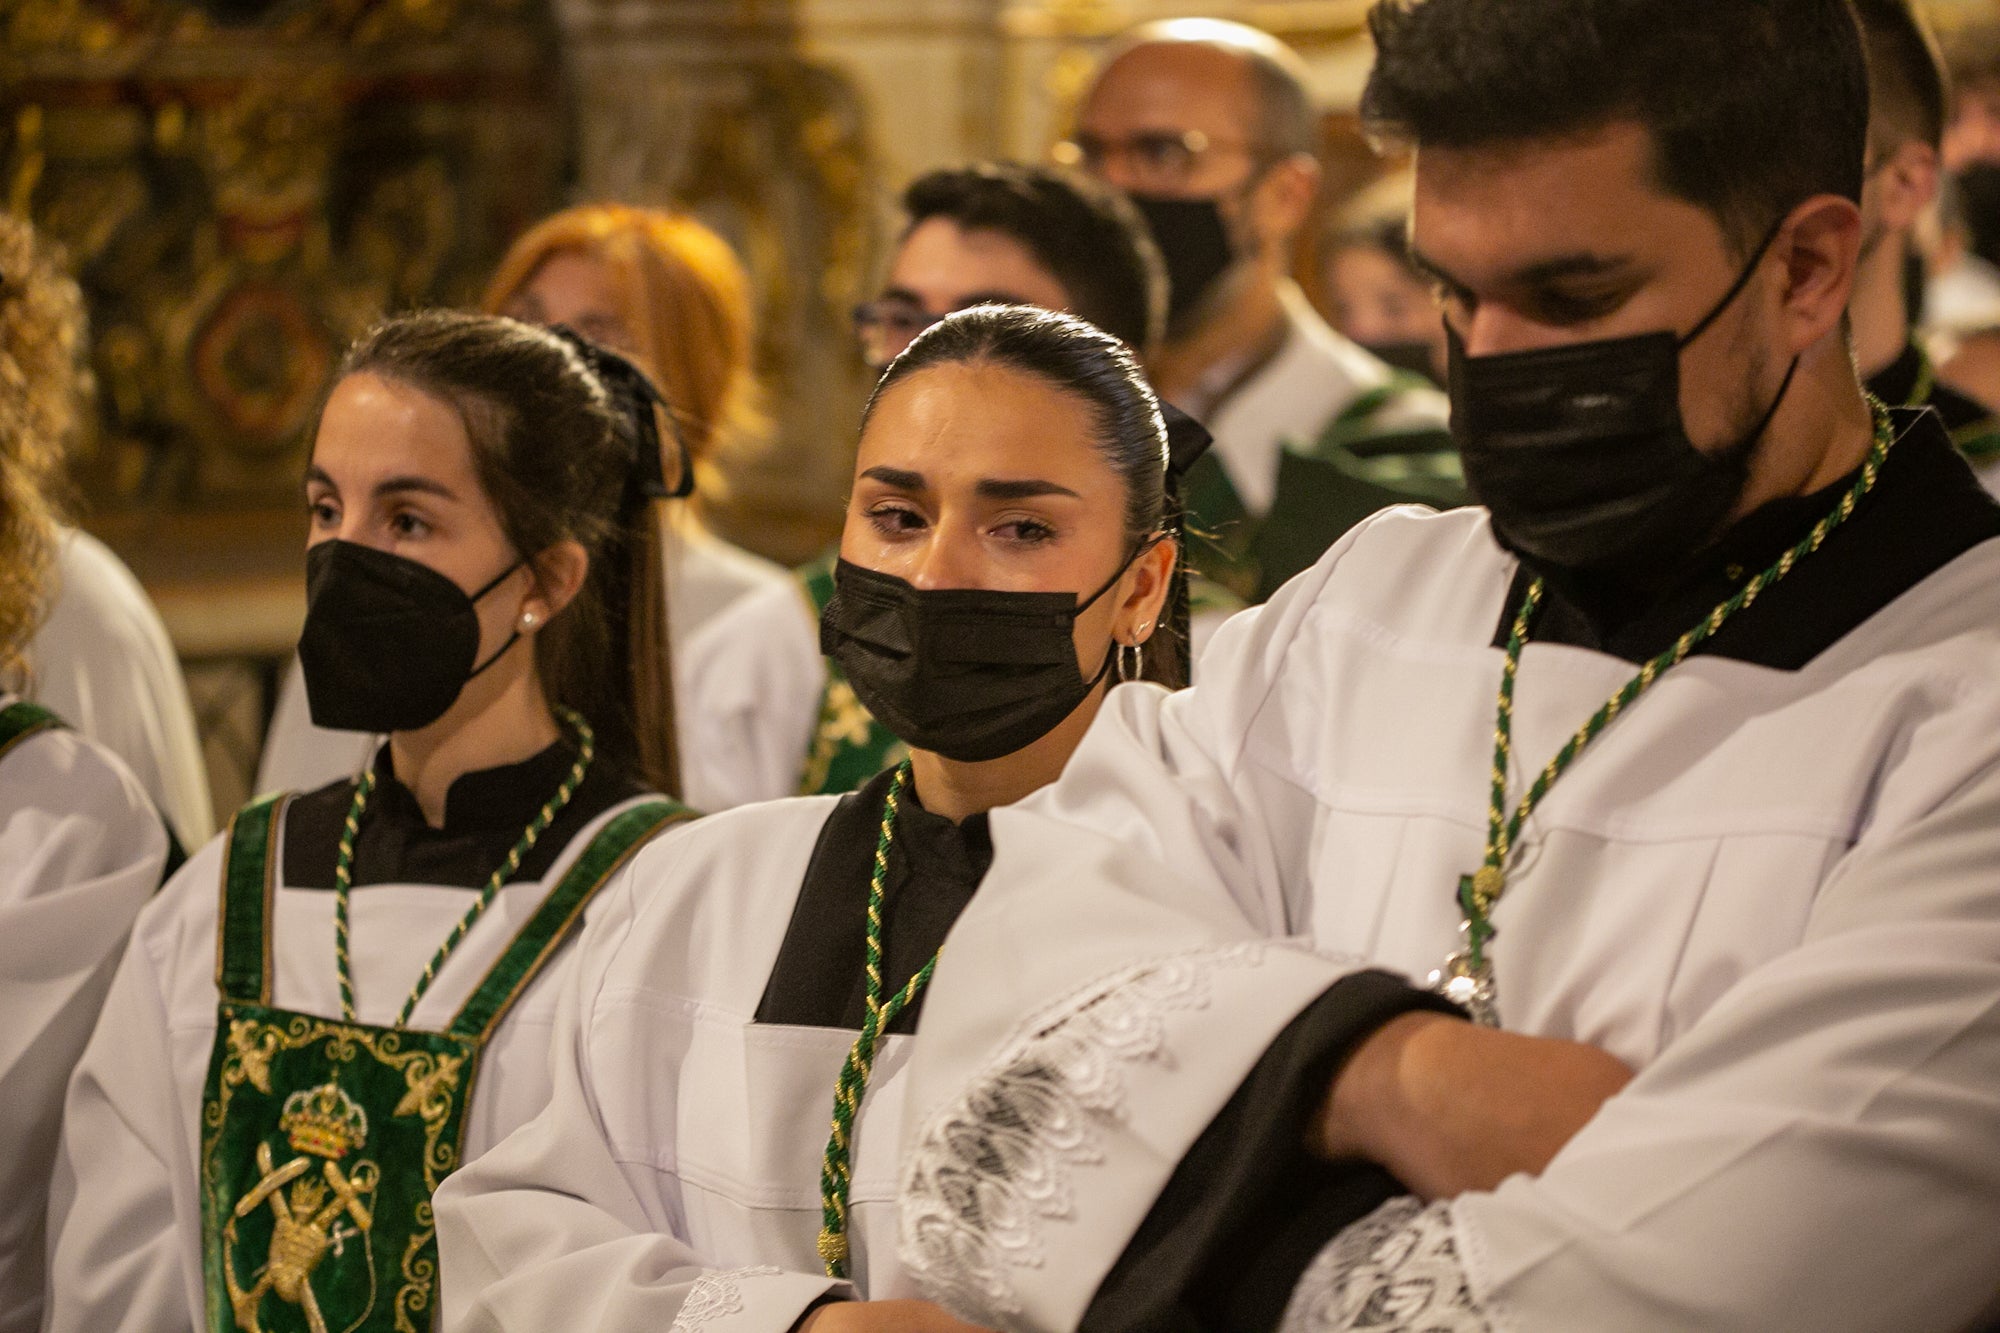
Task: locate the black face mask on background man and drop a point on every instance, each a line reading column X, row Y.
column 968, row 673
column 1580, row 452
column 1194, row 244
column 388, row 643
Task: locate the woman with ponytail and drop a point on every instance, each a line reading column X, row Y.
column 349, row 991
column 668, row 296
column 1010, row 553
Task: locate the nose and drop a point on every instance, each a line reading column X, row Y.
column 950, row 558
column 1494, row 329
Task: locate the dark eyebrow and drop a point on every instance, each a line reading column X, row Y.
column 896, row 478
column 316, row 473
column 903, row 294
column 421, row 485
column 994, row 489
column 1581, row 265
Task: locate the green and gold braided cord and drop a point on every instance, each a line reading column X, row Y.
column 1479, row 892
column 834, row 1175
column 343, row 874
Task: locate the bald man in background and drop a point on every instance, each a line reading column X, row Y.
column 1207, row 126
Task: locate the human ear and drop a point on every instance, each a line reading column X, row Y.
column 1820, row 245
column 1146, row 585
column 558, row 574
column 1283, row 199
column 1906, row 184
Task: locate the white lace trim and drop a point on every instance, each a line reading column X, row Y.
column 1396, row 1268
column 715, row 1296
column 992, row 1165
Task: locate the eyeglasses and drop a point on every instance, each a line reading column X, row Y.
column 885, row 327
column 1153, row 159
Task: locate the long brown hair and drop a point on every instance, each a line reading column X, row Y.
column 555, row 453
column 43, row 378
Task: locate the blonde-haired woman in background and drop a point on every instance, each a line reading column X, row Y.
column 669, row 293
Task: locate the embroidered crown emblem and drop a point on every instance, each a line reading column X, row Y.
column 324, row 1121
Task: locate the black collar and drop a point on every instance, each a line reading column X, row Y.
column 934, row 866
column 485, row 814
column 1926, row 510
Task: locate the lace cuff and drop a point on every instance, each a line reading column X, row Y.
column 762, row 1298
column 1397, row 1268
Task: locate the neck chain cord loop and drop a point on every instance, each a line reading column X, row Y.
column 1479, row 892
column 835, row 1176
column 343, row 871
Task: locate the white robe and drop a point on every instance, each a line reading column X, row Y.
column 81, row 849
column 102, row 662
column 1315, row 376
column 1774, row 893
column 674, row 1179
column 125, row 1209
column 704, row 575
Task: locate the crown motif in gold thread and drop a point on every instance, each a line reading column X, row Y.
column 324, row 1121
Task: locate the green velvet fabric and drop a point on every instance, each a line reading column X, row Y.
column 322, row 1141
column 321, row 1145
column 848, row 745
column 1324, row 487
column 20, row 720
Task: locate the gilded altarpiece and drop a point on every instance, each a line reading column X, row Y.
column 243, row 185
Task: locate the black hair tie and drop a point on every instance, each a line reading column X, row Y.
column 638, row 401
column 1187, row 440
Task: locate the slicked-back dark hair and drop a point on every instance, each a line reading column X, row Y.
column 1081, row 360
column 1909, row 95
column 1754, row 106
column 1087, row 235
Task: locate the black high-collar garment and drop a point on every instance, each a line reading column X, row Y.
column 934, row 865
column 1926, row 510
column 485, row 813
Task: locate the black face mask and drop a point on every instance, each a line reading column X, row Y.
column 1411, row 356
column 388, row 643
column 968, row 673
column 1580, row 452
column 1194, row 243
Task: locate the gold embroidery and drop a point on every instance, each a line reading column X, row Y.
column 318, row 1213
column 307, row 1223
column 431, row 1087
column 251, row 1046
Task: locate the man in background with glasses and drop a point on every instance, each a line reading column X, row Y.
column 1207, row 126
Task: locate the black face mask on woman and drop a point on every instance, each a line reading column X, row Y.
column 968, row 673
column 1580, row 452
column 388, row 643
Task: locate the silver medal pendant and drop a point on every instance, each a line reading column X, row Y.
column 1468, row 985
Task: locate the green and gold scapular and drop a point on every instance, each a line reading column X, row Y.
column 322, row 1141
column 848, row 745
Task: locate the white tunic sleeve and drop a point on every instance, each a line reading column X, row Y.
column 546, row 1231
column 1813, row 1140
column 103, row 663
column 752, row 679
column 1120, row 972
column 123, row 1199
column 1818, row 1151
column 81, row 848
